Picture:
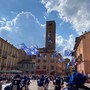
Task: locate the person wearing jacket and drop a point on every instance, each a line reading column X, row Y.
column 40, row 83
column 58, row 83
column 46, row 83
column 16, row 83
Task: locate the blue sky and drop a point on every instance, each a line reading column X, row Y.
column 23, row 21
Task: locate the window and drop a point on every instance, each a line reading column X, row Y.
column 49, row 46
column 27, row 65
column 38, row 67
column 50, row 24
column 50, row 32
column 44, row 61
column 44, row 55
column 32, row 65
column 22, row 65
column 32, row 72
column 38, row 61
column 52, row 61
column 51, row 56
column 44, row 67
column 52, row 67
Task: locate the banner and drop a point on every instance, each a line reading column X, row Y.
column 22, row 46
column 29, row 51
column 68, row 52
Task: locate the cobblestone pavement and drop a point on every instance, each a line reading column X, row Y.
column 87, row 84
column 33, row 85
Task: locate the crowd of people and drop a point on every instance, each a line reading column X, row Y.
column 22, row 82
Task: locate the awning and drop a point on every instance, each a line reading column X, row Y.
column 10, row 71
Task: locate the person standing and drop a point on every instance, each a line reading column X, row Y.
column 58, row 83
column 28, row 82
column 24, row 83
column 46, row 83
column 16, row 83
column 40, row 83
column 0, row 84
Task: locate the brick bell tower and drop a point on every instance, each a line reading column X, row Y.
column 50, row 35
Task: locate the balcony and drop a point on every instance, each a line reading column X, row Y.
column 13, row 56
column 3, row 65
column 4, row 55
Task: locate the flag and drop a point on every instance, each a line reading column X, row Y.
column 59, row 60
column 49, row 38
column 22, row 46
column 62, row 59
column 28, row 51
column 40, row 55
column 34, row 50
column 67, row 66
column 68, row 52
column 73, row 62
column 45, row 57
column 54, row 55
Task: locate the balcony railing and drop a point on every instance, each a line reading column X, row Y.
column 3, row 65
column 4, row 55
column 13, row 56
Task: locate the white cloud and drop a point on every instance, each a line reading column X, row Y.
column 61, row 23
column 63, row 44
column 11, row 25
column 76, row 12
column 5, row 25
column 51, row 5
column 60, row 40
column 24, row 27
column 46, row 15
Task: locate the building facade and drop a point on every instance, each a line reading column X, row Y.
column 47, row 62
column 26, row 66
column 82, row 53
column 10, row 55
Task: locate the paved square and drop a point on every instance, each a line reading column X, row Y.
column 33, row 85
